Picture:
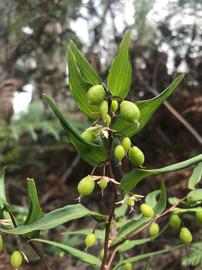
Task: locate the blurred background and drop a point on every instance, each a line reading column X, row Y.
column 34, row 35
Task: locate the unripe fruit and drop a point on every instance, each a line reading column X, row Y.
column 146, row 210
column 108, row 120
column 95, row 94
column 128, row 266
column 103, row 109
column 16, row 259
column 185, row 236
column 119, row 152
column 90, row 240
column 88, row 135
column 130, row 201
column 103, row 183
column 136, row 156
column 86, row 186
column 175, row 222
column 102, row 253
column 114, row 105
column 126, row 142
column 129, row 111
column 199, row 217
column 154, row 229
column 1, row 243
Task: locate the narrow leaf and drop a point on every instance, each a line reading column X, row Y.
column 178, row 210
column 147, row 109
column 195, row 195
column 120, row 73
column 82, row 256
column 161, row 203
column 2, row 185
column 93, row 154
column 195, row 177
column 131, row 179
column 79, row 88
column 129, row 244
column 98, row 233
column 88, row 74
column 54, row 219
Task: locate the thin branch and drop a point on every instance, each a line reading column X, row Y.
column 37, row 250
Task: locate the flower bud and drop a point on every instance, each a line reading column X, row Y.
column 114, row 106
column 129, row 111
column 126, row 142
column 86, row 186
column 175, row 222
column 146, row 210
column 136, row 156
column 128, row 266
column 90, row 240
column 88, row 135
column 154, row 229
column 185, row 235
column 96, row 94
column 199, row 217
column 16, row 259
column 1, row 243
column 119, row 152
column 103, row 109
column 103, row 183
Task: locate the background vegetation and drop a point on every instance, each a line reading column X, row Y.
column 33, row 58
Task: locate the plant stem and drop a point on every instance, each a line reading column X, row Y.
column 111, row 211
column 37, row 250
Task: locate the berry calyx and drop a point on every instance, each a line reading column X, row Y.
column 185, row 235
column 86, row 186
column 1, row 243
column 88, row 135
column 103, row 183
column 16, row 259
column 136, row 156
column 199, row 217
column 114, row 106
column 119, row 152
column 96, row 94
column 175, row 222
column 103, row 109
column 126, row 142
column 146, row 210
column 90, row 240
column 129, row 111
column 154, row 229
column 128, row 266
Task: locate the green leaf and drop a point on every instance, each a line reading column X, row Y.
column 131, row 179
column 82, row 256
column 193, row 256
column 146, row 255
column 79, row 88
column 88, row 74
column 161, row 203
column 2, row 186
column 195, row 177
column 98, row 233
column 93, row 154
column 35, row 212
column 178, row 210
column 151, row 198
column 54, row 219
column 120, row 73
column 130, row 227
column 195, row 195
column 129, row 244
column 147, row 109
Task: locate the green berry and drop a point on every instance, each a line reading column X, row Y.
column 1, row 243
column 128, row 266
column 199, row 217
column 154, row 229
column 96, row 94
column 136, row 156
column 119, row 152
column 114, row 105
column 90, row 240
column 88, row 135
column 16, row 259
column 126, row 142
column 146, row 210
column 102, row 253
column 175, row 222
column 86, row 186
column 185, row 235
column 103, row 109
column 103, row 183
column 129, row 111
column 108, row 120
column 130, row 201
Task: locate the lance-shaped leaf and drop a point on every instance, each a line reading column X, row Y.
column 35, row 212
column 93, row 154
column 88, row 74
column 195, row 177
column 131, row 179
column 120, row 73
column 54, row 219
column 3, row 201
column 79, row 87
column 147, row 109
column 82, row 256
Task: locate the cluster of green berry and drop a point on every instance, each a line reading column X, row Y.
column 16, row 258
